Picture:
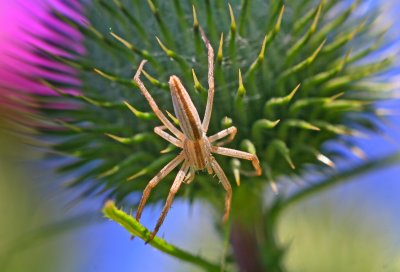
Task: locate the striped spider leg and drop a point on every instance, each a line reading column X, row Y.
column 196, row 147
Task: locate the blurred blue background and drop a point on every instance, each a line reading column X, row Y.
column 35, row 198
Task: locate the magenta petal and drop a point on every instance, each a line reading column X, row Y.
column 29, row 27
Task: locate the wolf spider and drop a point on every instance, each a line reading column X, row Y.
column 197, row 148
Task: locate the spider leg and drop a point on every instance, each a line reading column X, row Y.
column 154, row 181
column 210, row 78
column 190, row 176
column 231, row 132
column 227, row 186
column 160, row 131
column 174, row 189
column 153, row 104
column 238, row 154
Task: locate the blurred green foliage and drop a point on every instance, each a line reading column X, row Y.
column 21, row 213
column 321, row 237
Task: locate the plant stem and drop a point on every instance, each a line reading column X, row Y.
column 253, row 232
column 245, row 248
column 136, row 229
column 336, row 179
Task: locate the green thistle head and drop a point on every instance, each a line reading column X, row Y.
column 290, row 77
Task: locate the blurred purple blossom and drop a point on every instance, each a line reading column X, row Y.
column 30, row 28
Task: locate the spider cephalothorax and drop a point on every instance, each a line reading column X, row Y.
column 197, row 147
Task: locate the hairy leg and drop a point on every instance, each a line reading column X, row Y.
column 174, row 189
column 210, row 79
column 227, row 186
column 231, row 132
column 153, row 104
column 238, row 154
column 190, row 176
column 154, row 181
column 160, row 131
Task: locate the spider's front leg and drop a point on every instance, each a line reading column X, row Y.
column 174, row 189
column 190, row 176
column 154, row 182
column 227, row 186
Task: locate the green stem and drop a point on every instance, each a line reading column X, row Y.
column 245, row 248
column 338, row 179
column 136, row 229
column 253, row 233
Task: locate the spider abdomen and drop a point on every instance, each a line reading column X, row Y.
column 185, row 111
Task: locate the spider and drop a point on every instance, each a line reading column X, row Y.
column 197, row 148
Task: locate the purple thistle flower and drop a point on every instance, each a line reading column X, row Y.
column 29, row 30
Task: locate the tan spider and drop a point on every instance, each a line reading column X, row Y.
column 197, row 148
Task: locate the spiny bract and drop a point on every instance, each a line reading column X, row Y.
column 290, row 77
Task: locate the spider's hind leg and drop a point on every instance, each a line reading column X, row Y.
column 153, row 104
column 230, row 132
column 210, row 79
column 160, row 131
